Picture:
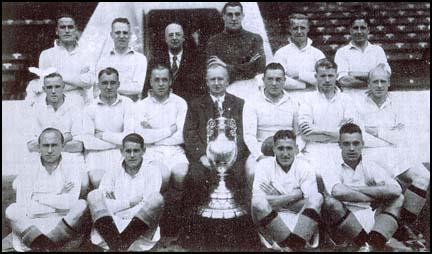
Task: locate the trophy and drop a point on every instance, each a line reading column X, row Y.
column 222, row 153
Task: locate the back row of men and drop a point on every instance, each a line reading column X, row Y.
column 240, row 50
column 175, row 142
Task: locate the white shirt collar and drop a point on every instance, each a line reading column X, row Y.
column 100, row 102
column 150, row 94
column 284, row 98
column 128, row 51
column 386, row 103
column 351, row 45
column 220, row 98
column 308, row 44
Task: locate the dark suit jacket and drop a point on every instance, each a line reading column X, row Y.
column 187, row 83
column 195, row 129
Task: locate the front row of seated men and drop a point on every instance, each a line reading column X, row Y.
column 160, row 119
column 360, row 201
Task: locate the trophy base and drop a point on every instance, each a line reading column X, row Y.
column 221, row 206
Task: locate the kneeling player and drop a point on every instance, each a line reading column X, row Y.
column 358, row 186
column 127, row 205
column 286, row 204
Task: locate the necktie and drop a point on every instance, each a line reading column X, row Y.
column 174, row 67
column 218, row 105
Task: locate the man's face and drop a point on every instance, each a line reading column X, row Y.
column 174, row 36
column 233, row 18
column 299, row 30
column 66, row 30
column 326, row 79
column 120, row 35
column 50, row 147
column 359, row 31
column 285, row 151
column 108, row 85
column 54, row 89
column 351, row 145
column 160, row 82
column 217, row 80
column 133, row 154
column 378, row 84
column 274, row 81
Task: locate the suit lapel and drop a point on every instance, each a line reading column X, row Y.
column 208, row 106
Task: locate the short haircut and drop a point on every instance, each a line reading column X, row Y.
column 359, row 17
column 274, row 66
column 120, row 20
column 53, row 75
column 162, row 67
column 108, row 71
column 297, row 16
column 284, row 134
column 232, row 4
column 134, row 138
column 65, row 15
column 326, row 64
column 379, row 68
column 349, row 128
column 51, row 130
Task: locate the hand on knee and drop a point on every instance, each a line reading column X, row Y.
column 315, row 202
column 260, row 207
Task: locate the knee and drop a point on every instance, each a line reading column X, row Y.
column 156, row 200
column 11, row 211
column 80, row 206
column 94, row 196
column 421, row 177
column 398, row 202
column 96, row 177
column 14, row 184
column 315, row 201
column 333, row 205
column 179, row 171
column 260, row 207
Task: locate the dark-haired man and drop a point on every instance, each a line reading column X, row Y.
column 47, row 213
column 69, row 61
column 131, row 65
column 240, row 50
column 105, row 122
column 356, row 59
column 272, row 110
column 127, row 205
column 286, row 204
column 358, row 185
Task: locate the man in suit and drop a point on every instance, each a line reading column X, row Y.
column 201, row 178
column 185, row 63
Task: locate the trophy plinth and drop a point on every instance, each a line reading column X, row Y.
column 222, row 153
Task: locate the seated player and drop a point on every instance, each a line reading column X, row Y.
column 105, row 122
column 322, row 113
column 127, row 205
column 286, row 204
column 47, row 213
column 60, row 112
column 160, row 118
column 358, row 186
column 380, row 116
column 356, row 59
column 272, row 110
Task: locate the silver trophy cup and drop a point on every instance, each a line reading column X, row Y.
column 222, row 153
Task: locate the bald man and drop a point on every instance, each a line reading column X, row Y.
column 185, row 64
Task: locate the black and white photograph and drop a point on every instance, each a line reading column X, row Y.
column 216, row 126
